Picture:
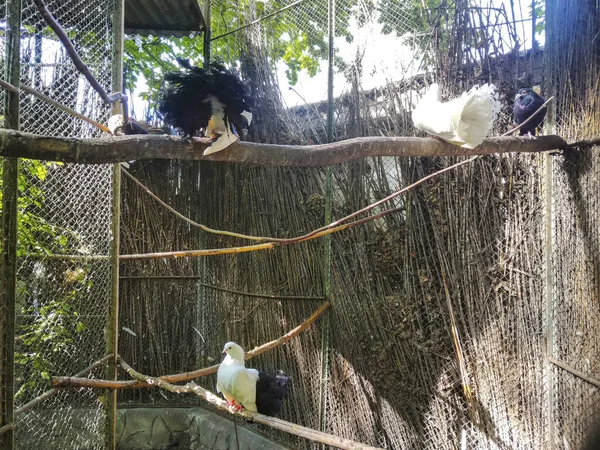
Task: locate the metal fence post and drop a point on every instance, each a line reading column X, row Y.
column 550, row 128
column 112, row 325
column 207, row 33
column 326, row 321
column 8, row 272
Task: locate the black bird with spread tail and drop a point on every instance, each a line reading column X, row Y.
column 206, row 102
column 527, row 102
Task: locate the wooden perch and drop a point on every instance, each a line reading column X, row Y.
column 333, row 227
column 278, row 424
column 64, row 382
column 129, row 148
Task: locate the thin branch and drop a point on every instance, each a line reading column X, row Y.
column 138, row 147
column 29, row 90
column 46, row 395
column 64, row 382
column 218, row 288
column 288, row 427
column 571, row 370
column 186, row 219
column 83, row 69
column 194, row 253
column 333, row 227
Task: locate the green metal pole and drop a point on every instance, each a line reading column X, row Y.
column 549, row 83
column 325, row 336
column 112, row 325
column 207, row 32
column 8, row 271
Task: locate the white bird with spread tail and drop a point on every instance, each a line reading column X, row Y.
column 463, row 121
column 253, row 389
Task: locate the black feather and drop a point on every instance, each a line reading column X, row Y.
column 270, row 392
column 528, row 102
column 185, row 104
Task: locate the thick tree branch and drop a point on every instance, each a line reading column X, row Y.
column 63, row 382
column 129, row 148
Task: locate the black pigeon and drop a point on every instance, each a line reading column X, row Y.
column 270, row 392
column 527, row 102
column 205, row 101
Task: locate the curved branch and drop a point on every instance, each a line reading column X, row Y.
column 137, row 147
column 273, row 422
column 64, row 382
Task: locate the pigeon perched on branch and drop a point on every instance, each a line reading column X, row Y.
column 252, row 389
column 206, row 102
column 527, row 102
column 464, row 121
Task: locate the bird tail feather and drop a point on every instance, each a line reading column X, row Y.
column 479, row 112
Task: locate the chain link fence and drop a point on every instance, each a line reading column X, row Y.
column 443, row 314
column 64, row 236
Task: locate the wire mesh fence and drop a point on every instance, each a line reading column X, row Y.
column 456, row 280
column 64, row 216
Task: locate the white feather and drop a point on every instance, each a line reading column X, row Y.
column 224, row 141
column 248, row 116
column 464, row 121
column 115, row 122
column 234, row 380
column 216, row 124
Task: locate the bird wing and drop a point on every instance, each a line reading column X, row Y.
column 244, row 387
column 240, row 383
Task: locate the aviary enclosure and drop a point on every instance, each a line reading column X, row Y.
column 468, row 318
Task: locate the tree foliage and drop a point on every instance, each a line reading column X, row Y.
column 297, row 37
column 50, row 320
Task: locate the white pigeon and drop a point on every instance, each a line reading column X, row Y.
column 463, row 121
column 255, row 390
column 235, row 381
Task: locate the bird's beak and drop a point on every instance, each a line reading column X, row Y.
column 518, row 96
column 224, row 351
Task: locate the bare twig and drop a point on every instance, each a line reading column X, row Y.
column 29, row 90
column 288, row 427
column 570, row 369
column 64, row 382
column 60, row 33
column 333, row 227
column 186, row 219
column 194, row 253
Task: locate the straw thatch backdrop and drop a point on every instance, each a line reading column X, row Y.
column 513, row 239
